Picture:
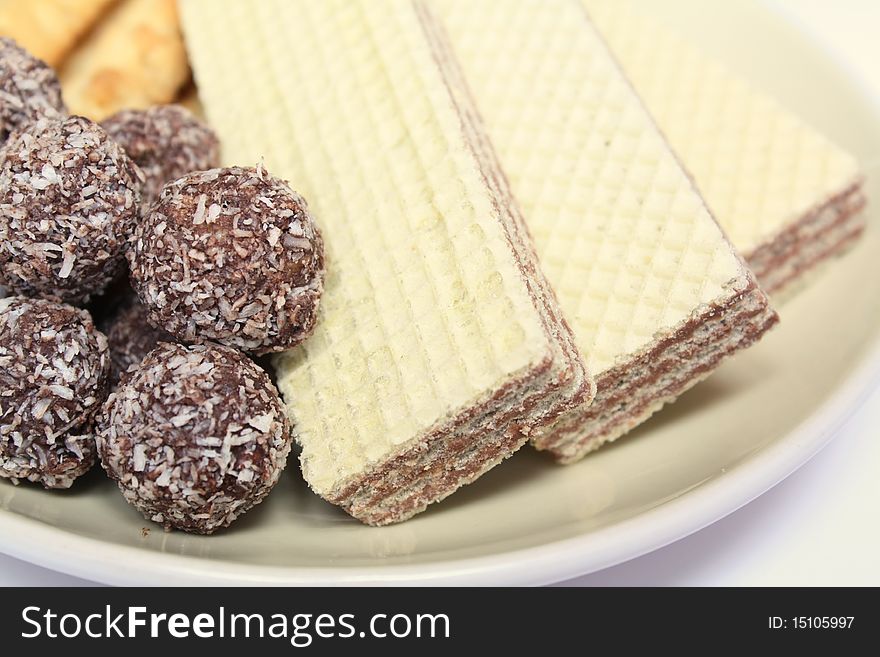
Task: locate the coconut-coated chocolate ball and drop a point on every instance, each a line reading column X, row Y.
column 230, row 255
column 29, row 89
column 166, row 142
column 194, row 436
column 68, row 206
column 54, row 366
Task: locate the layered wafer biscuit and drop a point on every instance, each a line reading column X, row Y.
column 655, row 293
column 49, row 29
column 440, row 346
column 134, row 58
column 786, row 195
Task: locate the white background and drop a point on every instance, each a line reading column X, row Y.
column 820, row 526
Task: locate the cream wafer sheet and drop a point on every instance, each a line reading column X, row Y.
column 426, row 314
column 761, row 168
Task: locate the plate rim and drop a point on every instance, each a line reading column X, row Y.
column 99, row 561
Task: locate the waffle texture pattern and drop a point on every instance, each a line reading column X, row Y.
column 425, row 313
column 760, row 167
column 625, row 238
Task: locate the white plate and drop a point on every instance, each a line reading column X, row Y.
column 529, row 521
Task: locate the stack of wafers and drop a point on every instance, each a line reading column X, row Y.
column 544, row 219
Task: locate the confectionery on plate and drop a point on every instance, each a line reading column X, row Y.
column 231, row 255
column 656, row 294
column 195, row 436
column 440, row 344
column 54, row 368
column 515, row 251
column 166, row 142
column 68, row 204
column 788, row 197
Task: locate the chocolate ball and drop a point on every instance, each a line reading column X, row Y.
column 54, row 366
column 166, row 142
column 230, row 255
column 131, row 337
column 68, row 205
column 195, row 436
column 29, row 89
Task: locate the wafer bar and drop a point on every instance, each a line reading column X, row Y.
column 787, row 196
column 656, row 295
column 440, row 346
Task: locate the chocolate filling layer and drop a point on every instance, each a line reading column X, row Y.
column 631, row 392
column 833, row 225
